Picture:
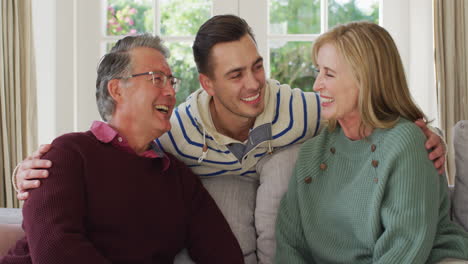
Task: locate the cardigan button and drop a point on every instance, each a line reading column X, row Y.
column 323, row 166
column 373, row 147
column 376, row 180
column 332, row 150
column 308, row 180
column 375, row 163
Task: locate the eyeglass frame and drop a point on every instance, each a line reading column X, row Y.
column 175, row 82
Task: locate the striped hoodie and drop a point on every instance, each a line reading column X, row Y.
column 290, row 116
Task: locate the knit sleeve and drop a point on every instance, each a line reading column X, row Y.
column 54, row 214
column 409, row 210
column 210, row 239
column 291, row 245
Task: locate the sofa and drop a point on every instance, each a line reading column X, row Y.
column 250, row 206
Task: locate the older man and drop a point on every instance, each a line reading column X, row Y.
column 112, row 196
column 227, row 127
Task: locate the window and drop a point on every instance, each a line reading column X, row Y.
column 176, row 21
column 74, row 36
column 295, row 24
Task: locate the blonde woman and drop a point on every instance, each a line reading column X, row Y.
column 363, row 191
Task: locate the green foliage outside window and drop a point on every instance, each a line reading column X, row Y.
column 129, row 17
column 290, row 62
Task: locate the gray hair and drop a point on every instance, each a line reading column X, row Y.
column 117, row 63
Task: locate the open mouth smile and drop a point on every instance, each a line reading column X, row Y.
column 252, row 98
column 162, row 108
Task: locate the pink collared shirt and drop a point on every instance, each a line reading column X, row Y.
column 106, row 134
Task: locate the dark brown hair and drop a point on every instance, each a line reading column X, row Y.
column 218, row 29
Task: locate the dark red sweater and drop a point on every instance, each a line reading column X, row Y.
column 103, row 205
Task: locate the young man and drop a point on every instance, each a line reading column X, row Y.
column 225, row 129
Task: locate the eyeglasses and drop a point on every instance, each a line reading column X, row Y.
column 158, row 78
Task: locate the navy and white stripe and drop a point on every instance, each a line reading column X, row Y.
column 290, row 116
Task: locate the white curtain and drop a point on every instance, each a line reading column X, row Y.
column 18, row 129
column 451, row 60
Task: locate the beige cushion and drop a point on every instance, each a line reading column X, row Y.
column 235, row 196
column 274, row 171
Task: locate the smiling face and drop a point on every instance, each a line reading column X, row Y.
column 143, row 105
column 238, row 80
column 336, row 85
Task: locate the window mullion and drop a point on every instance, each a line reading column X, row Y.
column 157, row 18
column 324, row 16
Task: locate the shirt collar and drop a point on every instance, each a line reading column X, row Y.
column 106, row 134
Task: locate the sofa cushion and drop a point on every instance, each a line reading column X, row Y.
column 274, row 172
column 11, row 216
column 235, row 196
column 460, row 195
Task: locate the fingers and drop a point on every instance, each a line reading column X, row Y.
column 41, row 151
column 22, row 195
column 436, row 153
column 421, row 124
column 31, row 169
column 35, row 164
column 433, row 141
column 31, row 174
column 439, row 161
column 26, row 185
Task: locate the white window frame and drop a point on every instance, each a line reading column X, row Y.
column 69, row 47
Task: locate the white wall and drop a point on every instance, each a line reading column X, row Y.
column 53, row 42
column 411, row 23
column 44, row 43
column 421, row 57
column 66, row 59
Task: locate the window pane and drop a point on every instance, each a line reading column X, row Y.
column 183, row 67
column 294, row 16
column 291, row 63
column 126, row 17
column 183, row 17
column 343, row 11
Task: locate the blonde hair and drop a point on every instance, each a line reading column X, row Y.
column 371, row 53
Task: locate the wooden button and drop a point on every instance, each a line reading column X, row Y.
column 323, row 166
column 332, row 150
column 373, row 147
column 376, row 180
column 308, row 180
column 375, row 163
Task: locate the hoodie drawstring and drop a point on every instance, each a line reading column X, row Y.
column 205, row 148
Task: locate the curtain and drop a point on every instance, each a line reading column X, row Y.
column 18, row 128
column 451, row 61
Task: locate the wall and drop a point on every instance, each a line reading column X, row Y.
column 66, row 78
column 410, row 23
